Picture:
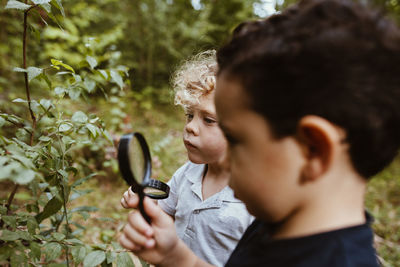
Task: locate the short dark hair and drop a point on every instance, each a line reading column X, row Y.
column 333, row 58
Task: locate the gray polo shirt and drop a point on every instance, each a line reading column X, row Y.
column 210, row 228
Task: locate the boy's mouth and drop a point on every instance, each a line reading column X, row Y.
column 188, row 144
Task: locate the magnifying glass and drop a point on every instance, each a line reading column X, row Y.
column 135, row 166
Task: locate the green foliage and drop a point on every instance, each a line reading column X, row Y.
column 41, row 140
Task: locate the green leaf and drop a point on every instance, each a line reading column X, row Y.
column 10, row 221
column 24, row 235
column 35, row 250
column 85, row 208
column 2, row 121
column 100, row 246
column 63, row 173
column 108, row 136
column 124, row 260
column 93, row 130
column 3, row 210
column 59, row 90
column 85, row 215
column 12, row 4
column 9, row 236
column 74, row 241
column 74, row 92
column 25, row 176
column 94, row 258
column 116, row 246
column 47, row 7
column 19, row 100
column 78, row 253
column 40, row 2
column 56, row 265
column 46, row 79
column 19, row 259
column 33, row 72
column 58, row 236
column 52, row 251
column 32, row 225
column 45, row 139
column 82, row 180
column 77, row 78
column 89, row 84
column 21, row 134
column 92, row 61
column 79, row 117
column 111, row 255
column 58, row 4
column 116, row 77
column 64, row 127
column 56, row 62
column 17, row 69
column 5, row 253
column 24, row 160
column 35, row 30
column 104, row 74
column 46, row 104
column 52, row 207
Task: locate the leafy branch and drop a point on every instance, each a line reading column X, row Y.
column 26, row 12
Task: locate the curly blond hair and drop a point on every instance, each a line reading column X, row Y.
column 195, row 78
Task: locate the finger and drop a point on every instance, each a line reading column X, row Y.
column 157, row 215
column 139, row 224
column 131, row 200
column 123, row 203
column 137, row 238
column 131, row 193
column 128, row 244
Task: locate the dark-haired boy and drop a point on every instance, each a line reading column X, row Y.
column 308, row 101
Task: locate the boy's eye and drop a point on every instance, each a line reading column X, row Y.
column 209, row 120
column 189, row 116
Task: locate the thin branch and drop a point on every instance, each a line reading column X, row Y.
column 19, row 125
column 65, row 213
column 11, row 197
column 66, row 221
column 28, row 96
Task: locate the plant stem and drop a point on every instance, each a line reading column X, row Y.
column 11, row 197
column 66, row 221
column 28, row 96
column 65, row 213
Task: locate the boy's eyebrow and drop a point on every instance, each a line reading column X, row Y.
column 206, row 112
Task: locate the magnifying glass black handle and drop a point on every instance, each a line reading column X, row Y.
column 141, row 207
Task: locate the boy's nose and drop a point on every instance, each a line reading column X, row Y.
column 192, row 127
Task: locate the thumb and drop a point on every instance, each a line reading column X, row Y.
column 157, row 215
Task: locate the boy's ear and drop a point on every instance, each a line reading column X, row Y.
column 319, row 139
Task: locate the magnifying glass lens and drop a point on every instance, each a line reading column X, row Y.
column 153, row 191
column 136, row 160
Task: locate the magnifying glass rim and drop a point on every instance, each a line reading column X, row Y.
column 124, row 165
column 157, row 185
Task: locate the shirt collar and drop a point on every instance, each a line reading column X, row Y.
column 194, row 174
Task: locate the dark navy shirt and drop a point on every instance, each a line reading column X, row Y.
column 347, row 247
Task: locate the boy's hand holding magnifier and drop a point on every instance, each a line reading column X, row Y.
column 135, row 165
column 151, row 232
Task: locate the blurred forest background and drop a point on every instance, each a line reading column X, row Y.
column 76, row 75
